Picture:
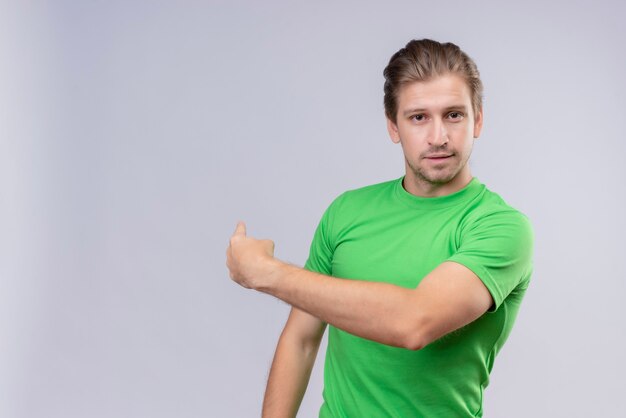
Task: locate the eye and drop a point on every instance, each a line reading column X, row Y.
column 418, row 118
column 455, row 115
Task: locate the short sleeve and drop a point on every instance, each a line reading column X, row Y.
column 498, row 248
column 322, row 246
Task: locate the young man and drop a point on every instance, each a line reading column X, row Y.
column 420, row 278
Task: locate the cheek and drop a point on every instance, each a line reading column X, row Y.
column 413, row 134
column 410, row 148
column 461, row 128
column 462, row 134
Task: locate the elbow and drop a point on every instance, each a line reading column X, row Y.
column 415, row 336
column 414, row 342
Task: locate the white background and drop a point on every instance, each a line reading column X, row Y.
column 133, row 136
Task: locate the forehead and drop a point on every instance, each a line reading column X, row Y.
column 439, row 92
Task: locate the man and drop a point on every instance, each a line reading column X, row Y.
column 420, row 278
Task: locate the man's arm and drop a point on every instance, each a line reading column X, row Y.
column 448, row 298
column 293, row 361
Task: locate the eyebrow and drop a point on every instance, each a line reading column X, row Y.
column 461, row 108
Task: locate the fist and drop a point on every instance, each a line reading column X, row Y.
column 248, row 259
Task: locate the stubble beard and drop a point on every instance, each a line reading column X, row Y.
column 434, row 176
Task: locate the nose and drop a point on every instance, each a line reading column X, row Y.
column 439, row 135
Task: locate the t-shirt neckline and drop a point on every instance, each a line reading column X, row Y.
column 472, row 189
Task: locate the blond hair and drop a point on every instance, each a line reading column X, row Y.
column 421, row 60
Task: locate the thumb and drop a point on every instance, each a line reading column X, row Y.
column 241, row 229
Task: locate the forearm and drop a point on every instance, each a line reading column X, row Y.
column 289, row 377
column 448, row 298
column 377, row 311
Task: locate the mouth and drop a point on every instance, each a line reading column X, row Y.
column 438, row 157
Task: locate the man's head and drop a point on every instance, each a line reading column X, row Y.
column 433, row 105
column 423, row 60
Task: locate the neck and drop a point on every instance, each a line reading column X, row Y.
column 423, row 188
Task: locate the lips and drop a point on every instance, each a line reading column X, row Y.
column 439, row 156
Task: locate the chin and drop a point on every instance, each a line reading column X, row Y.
column 437, row 178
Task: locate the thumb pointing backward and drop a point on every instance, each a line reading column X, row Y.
column 241, row 229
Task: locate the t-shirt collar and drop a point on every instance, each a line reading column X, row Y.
column 467, row 193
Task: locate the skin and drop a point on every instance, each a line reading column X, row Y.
column 434, row 117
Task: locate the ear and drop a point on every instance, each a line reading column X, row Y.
column 478, row 123
column 392, row 128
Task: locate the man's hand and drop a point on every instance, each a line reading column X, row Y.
column 249, row 260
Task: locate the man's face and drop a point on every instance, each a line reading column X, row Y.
column 436, row 127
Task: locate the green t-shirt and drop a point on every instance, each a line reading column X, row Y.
column 382, row 233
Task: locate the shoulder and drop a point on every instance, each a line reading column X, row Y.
column 492, row 224
column 366, row 195
column 497, row 230
column 350, row 205
column 492, row 210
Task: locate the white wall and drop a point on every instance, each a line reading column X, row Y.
column 133, row 135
